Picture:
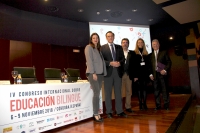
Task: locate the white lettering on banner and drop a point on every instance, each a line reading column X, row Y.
column 44, row 106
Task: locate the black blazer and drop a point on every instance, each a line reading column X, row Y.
column 105, row 50
column 136, row 70
column 162, row 58
column 126, row 65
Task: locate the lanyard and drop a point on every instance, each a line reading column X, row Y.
column 141, row 56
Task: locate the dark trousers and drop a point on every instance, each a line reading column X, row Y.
column 96, row 87
column 140, row 84
column 109, row 82
column 160, row 85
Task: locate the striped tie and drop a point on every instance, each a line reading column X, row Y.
column 113, row 52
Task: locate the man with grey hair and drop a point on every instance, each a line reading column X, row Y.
column 160, row 65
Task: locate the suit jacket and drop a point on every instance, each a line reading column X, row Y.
column 136, row 70
column 105, row 50
column 127, row 62
column 94, row 61
column 162, row 58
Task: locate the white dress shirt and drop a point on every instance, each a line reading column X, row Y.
column 126, row 54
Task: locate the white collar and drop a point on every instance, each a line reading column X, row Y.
column 126, row 51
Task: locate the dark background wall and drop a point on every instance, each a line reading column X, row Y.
column 20, row 25
column 27, row 54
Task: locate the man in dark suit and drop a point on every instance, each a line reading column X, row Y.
column 114, row 59
column 159, row 76
column 126, row 82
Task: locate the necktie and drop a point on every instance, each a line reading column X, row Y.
column 156, row 57
column 113, row 52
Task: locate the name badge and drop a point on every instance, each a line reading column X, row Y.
column 142, row 63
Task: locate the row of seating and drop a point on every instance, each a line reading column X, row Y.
column 28, row 74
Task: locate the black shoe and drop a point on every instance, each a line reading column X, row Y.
column 129, row 110
column 145, row 106
column 122, row 114
column 100, row 119
column 109, row 115
column 167, row 108
column 157, row 108
column 140, row 106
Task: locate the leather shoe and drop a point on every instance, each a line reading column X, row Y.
column 145, row 106
column 129, row 110
column 157, row 108
column 122, row 114
column 100, row 119
column 109, row 115
column 166, row 108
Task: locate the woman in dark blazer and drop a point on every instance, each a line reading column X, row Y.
column 96, row 70
column 138, row 71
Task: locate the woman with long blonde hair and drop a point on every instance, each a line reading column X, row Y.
column 138, row 71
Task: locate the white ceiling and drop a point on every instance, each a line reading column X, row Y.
column 160, row 1
column 183, row 12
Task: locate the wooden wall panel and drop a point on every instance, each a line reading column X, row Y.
column 20, row 55
column 4, row 59
column 179, row 73
column 41, row 59
column 58, row 57
column 77, row 60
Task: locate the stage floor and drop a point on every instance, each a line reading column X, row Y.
column 149, row 121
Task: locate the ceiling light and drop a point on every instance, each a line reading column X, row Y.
column 128, row 19
column 80, row 10
column 98, row 13
column 151, row 19
column 134, row 10
column 107, row 10
column 105, row 19
column 45, row 0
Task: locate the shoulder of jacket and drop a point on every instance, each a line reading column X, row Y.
column 130, row 51
column 163, row 51
column 117, row 45
column 104, row 45
column 88, row 46
column 151, row 54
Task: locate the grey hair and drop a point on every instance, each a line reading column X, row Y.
column 155, row 40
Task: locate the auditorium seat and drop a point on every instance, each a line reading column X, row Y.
column 72, row 74
column 27, row 73
column 52, row 74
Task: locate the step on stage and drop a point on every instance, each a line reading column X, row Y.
column 149, row 121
